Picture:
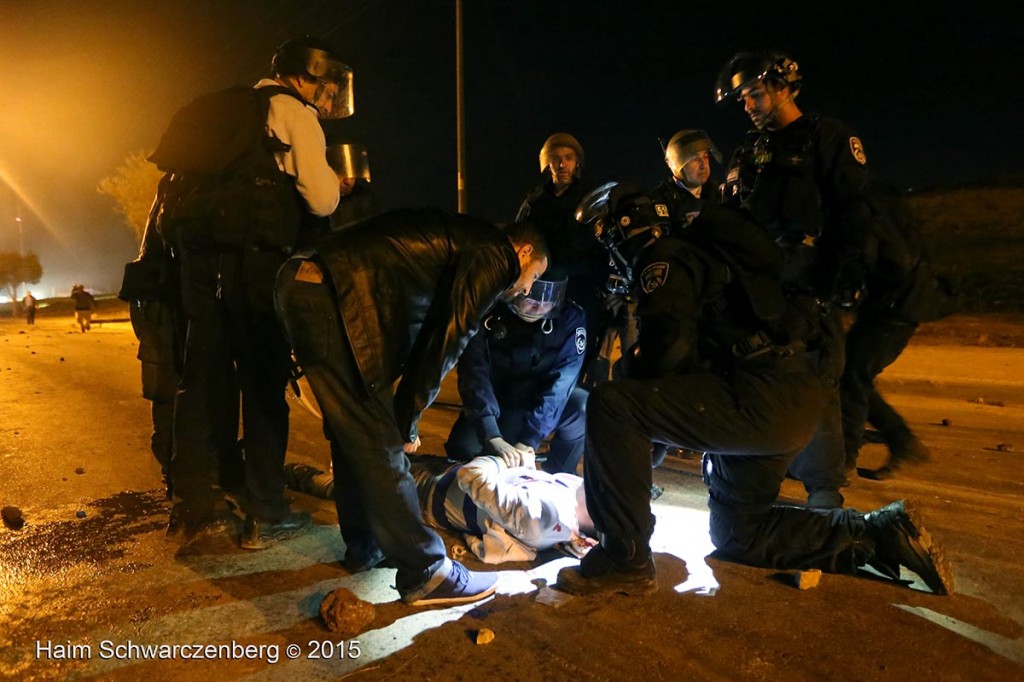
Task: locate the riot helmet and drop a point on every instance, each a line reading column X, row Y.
column 561, row 140
column 747, row 68
column 683, row 145
column 625, row 221
column 542, row 303
column 349, row 160
column 314, row 60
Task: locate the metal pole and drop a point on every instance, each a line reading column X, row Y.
column 459, row 107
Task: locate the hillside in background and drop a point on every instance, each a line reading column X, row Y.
column 976, row 237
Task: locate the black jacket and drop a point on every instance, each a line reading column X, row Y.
column 901, row 283
column 682, row 205
column 711, row 298
column 412, row 287
column 574, row 251
column 807, row 184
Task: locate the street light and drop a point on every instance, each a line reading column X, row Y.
column 21, row 237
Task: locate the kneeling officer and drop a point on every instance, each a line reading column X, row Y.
column 727, row 365
column 517, row 380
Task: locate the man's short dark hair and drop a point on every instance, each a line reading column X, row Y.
column 527, row 232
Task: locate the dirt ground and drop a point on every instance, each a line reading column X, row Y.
column 91, row 569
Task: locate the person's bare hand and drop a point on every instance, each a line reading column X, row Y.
column 412, row 447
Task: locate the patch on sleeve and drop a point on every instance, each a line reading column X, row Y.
column 581, row 340
column 857, row 149
column 653, row 276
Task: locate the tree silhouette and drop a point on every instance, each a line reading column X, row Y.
column 15, row 270
column 133, row 186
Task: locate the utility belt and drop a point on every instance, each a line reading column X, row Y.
column 760, row 344
column 759, row 351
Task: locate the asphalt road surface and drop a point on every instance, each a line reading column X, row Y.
column 90, row 588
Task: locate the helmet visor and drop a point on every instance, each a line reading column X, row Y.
column 544, row 300
column 594, row 205
column 334, row 97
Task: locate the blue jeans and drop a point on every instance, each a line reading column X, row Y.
column 374, row 493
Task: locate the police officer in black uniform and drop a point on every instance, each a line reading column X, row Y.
column 151, row 288
column 688, row 156
column 517, row 380
column 551, row 205
column 728, row 364
column 804, row 179
column 245, row 227
column 902, row 291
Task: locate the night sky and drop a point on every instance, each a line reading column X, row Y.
column 933, row 89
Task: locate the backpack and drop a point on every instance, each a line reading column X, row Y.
column 224, row 188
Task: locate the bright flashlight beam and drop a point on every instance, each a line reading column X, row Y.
column 7, row 178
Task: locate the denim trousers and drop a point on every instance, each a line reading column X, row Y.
column 375, row 495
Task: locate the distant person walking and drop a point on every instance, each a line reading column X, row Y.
column 29, row 303
column 85, row 304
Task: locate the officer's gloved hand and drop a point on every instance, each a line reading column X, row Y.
column 512, row 456
column 529, row 456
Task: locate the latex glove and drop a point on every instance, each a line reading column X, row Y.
column 412, row 447
column 508, row 452
column 528, row 454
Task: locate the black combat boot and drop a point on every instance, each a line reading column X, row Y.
column 260, row 533
column 616, row 565
column 900, row 539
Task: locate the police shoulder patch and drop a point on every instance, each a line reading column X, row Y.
column 653, row 276
column 581, row 340
column 857, row 149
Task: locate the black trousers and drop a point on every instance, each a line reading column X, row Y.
column 227, row 298
column 466, row 442
column 752, row 423
column 872, row 344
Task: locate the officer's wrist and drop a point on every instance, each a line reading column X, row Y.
column 489, row 428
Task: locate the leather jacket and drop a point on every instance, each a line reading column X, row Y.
column 413, row 287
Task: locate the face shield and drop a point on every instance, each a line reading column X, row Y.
column 349, row 160
column 333, row 97
column 333, row 94
column 543, row 302
column 593, row 208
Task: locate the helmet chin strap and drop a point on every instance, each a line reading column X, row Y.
column 776, row 103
